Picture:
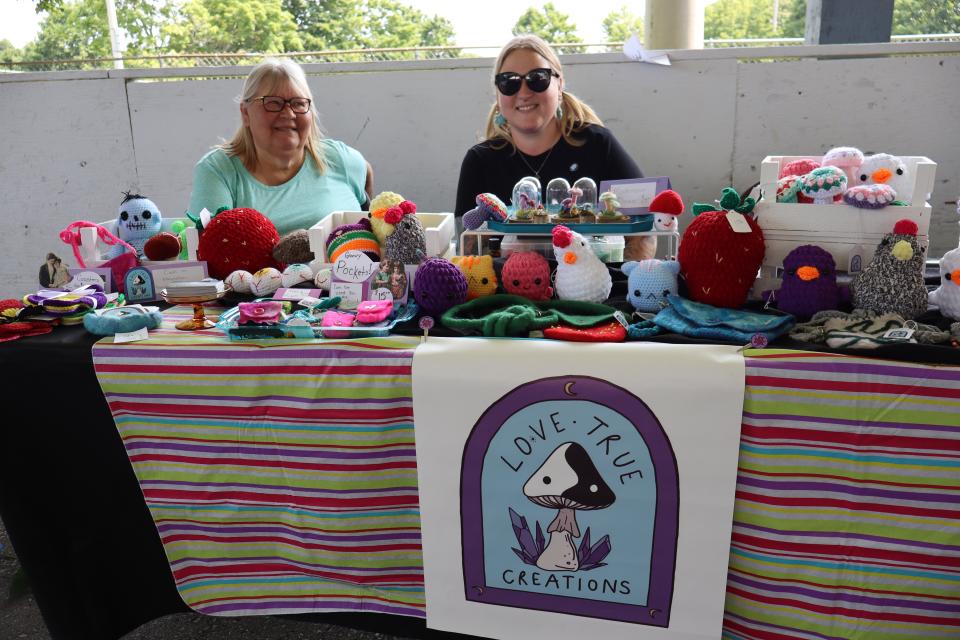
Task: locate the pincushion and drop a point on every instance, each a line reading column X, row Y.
column 163, row 246
column 438, row 286
column 238, row 239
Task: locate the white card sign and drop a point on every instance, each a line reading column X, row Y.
column 351, row 276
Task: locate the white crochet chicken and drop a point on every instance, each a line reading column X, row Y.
column 947, row 295
column 580, row 273
column 883, row 168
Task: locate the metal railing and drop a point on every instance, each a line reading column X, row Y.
column 182, row 60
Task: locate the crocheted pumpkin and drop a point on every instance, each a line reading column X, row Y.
column 718, row 263
column 238, row 239
column 439, row 285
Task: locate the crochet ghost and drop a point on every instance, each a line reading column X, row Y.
column 580, row 273
column 649, row 282
column 893, row 281
column 407, row 243
column 481, row 278
column 947, row 296
column 809, row 283
column 883, row 168
column 138, row 221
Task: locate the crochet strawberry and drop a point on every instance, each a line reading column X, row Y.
column 238, row 239
column 718, row 263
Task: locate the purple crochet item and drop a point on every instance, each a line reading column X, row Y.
column 438, row 286
column 809, row 283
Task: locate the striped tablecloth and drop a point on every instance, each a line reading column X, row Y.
column 281, row 474
column 282, row 478
column 847, row 518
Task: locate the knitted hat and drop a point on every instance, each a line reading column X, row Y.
column 809, row 283
column 438, row 285
column 527, row 274
column 489, row 207
column 478, row 270
column 407, row 243
column 893, row 281
column 668, row 202
column 358, row 236
column 718, row 263
column 238, row 239
column 294, row 248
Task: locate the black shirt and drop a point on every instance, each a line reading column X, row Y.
column 489, row 170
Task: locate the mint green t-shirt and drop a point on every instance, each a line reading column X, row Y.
column 220, row 180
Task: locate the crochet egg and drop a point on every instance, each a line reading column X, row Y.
column 266, row 281
column 240, row 281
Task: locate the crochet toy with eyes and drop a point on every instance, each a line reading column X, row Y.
column 809, row 283
column 580, row 273
column 406, row 243
column 527, row 274
column 946, row 297
column 138, row 221
column 481, row 278
column 883, row 168
column 438, row 286
column 649, row 282
column 378, row 209
column 893, row 281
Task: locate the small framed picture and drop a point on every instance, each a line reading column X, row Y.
column 635, row 194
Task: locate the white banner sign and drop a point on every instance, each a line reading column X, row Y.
column 576, row 490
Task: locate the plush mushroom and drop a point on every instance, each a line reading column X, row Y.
column 870, row 196
column 824, row 184
column 666, row 208
column 788, row 187
column 798, row 168
column 489, row 207
column 567, row 481
column 847, row 158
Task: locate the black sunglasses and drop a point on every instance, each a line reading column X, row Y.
column 508, row 83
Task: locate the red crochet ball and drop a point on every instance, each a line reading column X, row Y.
column 562, row 236
column 238, row 239
column 905, row 226
column 719, row 264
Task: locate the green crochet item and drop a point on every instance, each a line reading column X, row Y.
column 729, row 201
column 507, row 315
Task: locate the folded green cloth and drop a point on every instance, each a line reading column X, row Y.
column 506, row 315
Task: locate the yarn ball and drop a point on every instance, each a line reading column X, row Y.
column 294, row 274
column 294, row 248
column 809, row 282
column 163, row 246
column 527, row 274
column 870, row 196
column 266, row 281
column 478, row 270
column 408, row 243
column 649, row 282
column 798, row 168
column 946, row 297
column 893, row 281
column 668, row 201
column 489, row 207
column 239, row 281
column 719, row 264
column 438, row 286
column 358, row 236
column 238, row 239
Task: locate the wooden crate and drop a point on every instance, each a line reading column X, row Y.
column 439, row 229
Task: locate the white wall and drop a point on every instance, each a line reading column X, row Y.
column 73, row 141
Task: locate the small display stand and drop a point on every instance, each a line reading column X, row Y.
column 199, row 320
column 481, row 236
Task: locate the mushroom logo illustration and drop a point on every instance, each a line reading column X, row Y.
column 567, row 481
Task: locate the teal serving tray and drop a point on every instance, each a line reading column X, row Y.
column 639, row 225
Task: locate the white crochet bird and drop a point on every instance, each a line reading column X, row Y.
column 883, row 168
column 580, row 273
column 947, row 295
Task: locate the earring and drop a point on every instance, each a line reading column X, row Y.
column 499, row 120
column 559, row 112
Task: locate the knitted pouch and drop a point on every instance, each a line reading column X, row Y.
column 374, row 311
column 508, row 315
column 700, row 320
column 262, row 312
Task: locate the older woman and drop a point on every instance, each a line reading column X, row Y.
column 277, row 162
column 536, row 128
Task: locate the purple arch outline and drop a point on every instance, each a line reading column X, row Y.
column 656, row 612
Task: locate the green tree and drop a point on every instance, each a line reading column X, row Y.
column 9, row 53
column 738, row 19
column 926, row 16
column 793, row 18
column 620, row 24
column 227, row 26
column 548, row 23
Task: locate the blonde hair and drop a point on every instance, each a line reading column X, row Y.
column 576, row 113
column 262, row 79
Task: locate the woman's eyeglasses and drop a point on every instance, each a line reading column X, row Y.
column 276, row 104
column 508, row 83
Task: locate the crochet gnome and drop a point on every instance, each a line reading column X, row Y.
column 893, row 281
column 580, row 273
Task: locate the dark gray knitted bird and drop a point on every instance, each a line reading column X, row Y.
column 407, row 243
column 893, row 281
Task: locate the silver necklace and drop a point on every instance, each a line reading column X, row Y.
column 536, row 171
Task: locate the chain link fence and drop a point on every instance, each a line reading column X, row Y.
column 379, row 55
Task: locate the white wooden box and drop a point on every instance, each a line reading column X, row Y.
column 439, row 229
column 849, row 233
